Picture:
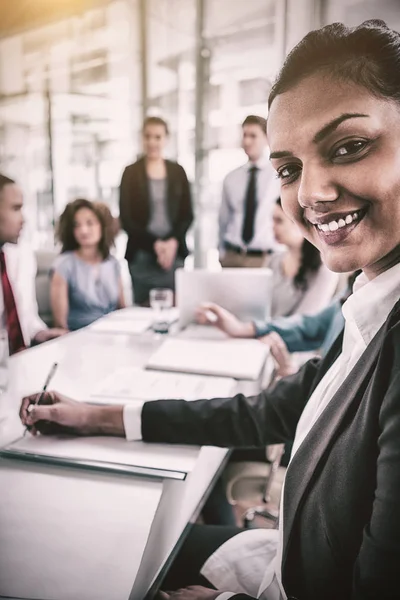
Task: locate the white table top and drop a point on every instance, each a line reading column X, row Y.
column 83, row 358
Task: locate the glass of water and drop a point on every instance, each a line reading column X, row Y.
column 161, row 301
column 4, row 355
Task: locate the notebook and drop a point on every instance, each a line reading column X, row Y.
column 237, row 358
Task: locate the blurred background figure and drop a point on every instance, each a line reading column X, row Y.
column 18, row 305
column 156, row 212
column 301, row 283
column 248, row 196
column 85, row 279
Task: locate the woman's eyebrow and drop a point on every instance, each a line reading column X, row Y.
column 334, row 124
column 322, row 133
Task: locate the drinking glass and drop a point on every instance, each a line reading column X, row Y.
column 4, row 355
column 161, row 301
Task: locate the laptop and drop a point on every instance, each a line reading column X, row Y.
column 244, row 292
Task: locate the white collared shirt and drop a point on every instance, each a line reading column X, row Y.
column 21, row 270
column 232, row 210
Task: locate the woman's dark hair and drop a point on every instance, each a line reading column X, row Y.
column 65, row 228
column 155, row 121
column 310, row 262
column 367, row 55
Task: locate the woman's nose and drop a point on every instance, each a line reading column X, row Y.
column 316, row 186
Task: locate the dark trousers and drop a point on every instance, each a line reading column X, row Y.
column 202, row 541
column 147, row 274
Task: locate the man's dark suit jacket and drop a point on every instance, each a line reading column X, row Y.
column 341, row 525
column 134, row 206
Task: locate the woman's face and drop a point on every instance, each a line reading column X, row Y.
column 285, row 231
column 154, row 140
column 87, row 228
column 336, row 149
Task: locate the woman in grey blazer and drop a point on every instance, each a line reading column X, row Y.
column 333, row 130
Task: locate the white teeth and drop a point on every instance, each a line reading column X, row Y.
column 333, row 226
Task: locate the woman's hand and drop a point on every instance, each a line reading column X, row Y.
column 213, row 314
column 193, row 592
column 57, row 414
column 280, row 353
column 166, row 252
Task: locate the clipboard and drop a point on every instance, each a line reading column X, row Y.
column 107, row 454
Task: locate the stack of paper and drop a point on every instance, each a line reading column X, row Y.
column 238, row 358
column 130, row 326
column 131, row 320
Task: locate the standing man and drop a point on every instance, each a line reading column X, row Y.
column 18, row 306
column 248, row 198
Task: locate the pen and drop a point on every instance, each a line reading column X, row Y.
column 44, row 389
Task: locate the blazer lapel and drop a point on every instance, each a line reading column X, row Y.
column 302, row 468
column 170, row 192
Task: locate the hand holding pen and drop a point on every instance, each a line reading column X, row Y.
column 39, row 397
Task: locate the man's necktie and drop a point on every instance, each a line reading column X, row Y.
column 250, row 206
column 15, row 337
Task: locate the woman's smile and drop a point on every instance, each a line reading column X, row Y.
column 335, row 228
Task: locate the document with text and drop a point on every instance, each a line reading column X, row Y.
column 133, row 383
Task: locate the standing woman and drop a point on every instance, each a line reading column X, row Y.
column 86, row 280
column 156, row 212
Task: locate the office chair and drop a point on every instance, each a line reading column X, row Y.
column 245, row 478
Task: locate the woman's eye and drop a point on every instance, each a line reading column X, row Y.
column 349, row 149
column 288, row 172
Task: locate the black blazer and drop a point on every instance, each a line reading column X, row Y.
column 134, row 206
column 342, row 491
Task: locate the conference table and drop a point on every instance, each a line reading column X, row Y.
column 69, row 533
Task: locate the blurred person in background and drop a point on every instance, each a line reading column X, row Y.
column 248, row 196
column 86, row 279
column 301, row 283
column 18, row 305
column 155, row 212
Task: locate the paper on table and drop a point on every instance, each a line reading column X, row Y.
column 134, row 326
column 239, row 358
column 135, row 383
column 84, row 541
column 138, row 312
column 108, row 454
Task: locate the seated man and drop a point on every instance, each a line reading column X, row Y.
column 18, row 305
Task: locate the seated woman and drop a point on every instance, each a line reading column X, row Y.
column 85, row 279
column 295, row 333
column 301, row 283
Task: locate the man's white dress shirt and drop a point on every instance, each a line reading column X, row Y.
column 232, row 210
column 21, row 270
column 250, row 562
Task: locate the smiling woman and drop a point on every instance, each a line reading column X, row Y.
column 334, row 131
column 347, row 116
